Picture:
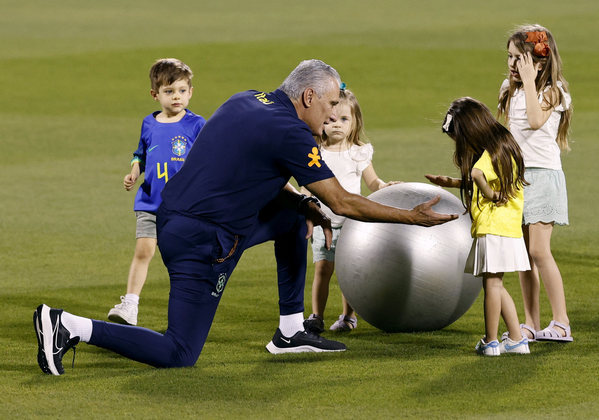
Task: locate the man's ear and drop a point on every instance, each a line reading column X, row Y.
column 308, row 97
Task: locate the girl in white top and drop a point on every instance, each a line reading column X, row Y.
column 536, row 103
column 350, row 159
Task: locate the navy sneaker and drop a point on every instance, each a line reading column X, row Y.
column 314, row 324
column 53, row 339
column 302, row 342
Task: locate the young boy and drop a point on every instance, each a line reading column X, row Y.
column 166, row 137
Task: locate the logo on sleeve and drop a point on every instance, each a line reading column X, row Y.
column 262, row 98
column 315, row 158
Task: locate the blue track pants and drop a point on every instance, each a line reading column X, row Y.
column 200, row 257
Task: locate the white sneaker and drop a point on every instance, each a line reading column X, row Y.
column 487, row 349
column 510, row 346
column 124, row 313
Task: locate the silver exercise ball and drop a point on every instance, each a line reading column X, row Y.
column 404, row 277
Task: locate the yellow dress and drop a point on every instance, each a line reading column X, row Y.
column 498, row 245
column 487, row 217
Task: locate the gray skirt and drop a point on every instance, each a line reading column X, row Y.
column 546, row 198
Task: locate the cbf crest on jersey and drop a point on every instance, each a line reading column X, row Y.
column 179, row 145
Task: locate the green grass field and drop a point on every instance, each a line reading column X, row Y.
column 75, row 90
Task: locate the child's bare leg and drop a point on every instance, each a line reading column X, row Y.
column 323, row 271
column 510, row 315
column 530, row 286
column 144, row 252
column 493, row 286
column 540, row 251
column 347, row 309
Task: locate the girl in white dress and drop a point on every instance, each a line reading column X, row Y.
column 535, row 101
column 350, row 159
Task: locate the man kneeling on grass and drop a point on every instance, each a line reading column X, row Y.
column 231, row 194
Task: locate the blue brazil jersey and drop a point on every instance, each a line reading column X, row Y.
column 163, row 147
column 245, row 154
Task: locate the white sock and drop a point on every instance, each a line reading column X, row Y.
column 77, row 326
column 291, row 324
column 132, row 298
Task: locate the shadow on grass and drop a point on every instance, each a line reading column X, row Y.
column 479, row 375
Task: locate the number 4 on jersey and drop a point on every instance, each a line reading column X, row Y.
column 162, row 174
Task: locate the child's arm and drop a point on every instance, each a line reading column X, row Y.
column 481, row 182
column 131, row 178
column 444, row 181
column 373, row 182
column 536, row 115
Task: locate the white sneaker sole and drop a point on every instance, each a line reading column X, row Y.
column 492, row 354
column 518, row 350
column 272, row 348
column 117, row 317
column 48, row 334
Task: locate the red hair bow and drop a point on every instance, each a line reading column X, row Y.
column 538, row 38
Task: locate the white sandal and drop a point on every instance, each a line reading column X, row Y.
column 344, row 323
column 552, row 334
column 523, row 329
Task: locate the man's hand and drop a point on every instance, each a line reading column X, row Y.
column 315, row 217
column 423, row 214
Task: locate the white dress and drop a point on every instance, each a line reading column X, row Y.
column 347, row 166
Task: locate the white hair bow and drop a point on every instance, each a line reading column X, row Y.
column 448, row 119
